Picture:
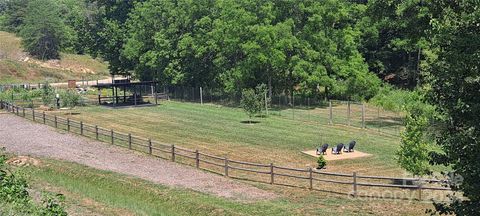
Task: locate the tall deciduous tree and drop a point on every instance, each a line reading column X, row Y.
column 455, row 81
column 43, row 29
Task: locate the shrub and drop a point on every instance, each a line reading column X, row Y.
column 14, row 191
column 70, row 98
column 321, row 162
column 48, row 94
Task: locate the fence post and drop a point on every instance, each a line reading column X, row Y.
column 226, row 166
column 129, row 141
column 81, row 128
column 201, row 95
column 56, row 123
column 33, row 114
column 173, row 153
column 197, row 159
column 419, row 190
column 348, row 113
column 354, row 184
column 111, row 134
column 17, row 111
column 363, row 115
column 96, row 132
column 149, row 146
column 43, row 115
column 68, row 124
column 331, row 112
column 23, row 111
column 271, row 173
column 310, row 177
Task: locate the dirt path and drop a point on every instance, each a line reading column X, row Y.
column 23, row 137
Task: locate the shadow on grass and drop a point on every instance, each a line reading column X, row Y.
column 250, row 122
column 383, row 123
column 72, row 113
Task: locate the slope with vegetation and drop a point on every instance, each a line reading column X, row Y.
column 16, row 66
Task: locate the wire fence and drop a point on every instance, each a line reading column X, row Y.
column 351, row 184
column 311, row 110
column 303, row 108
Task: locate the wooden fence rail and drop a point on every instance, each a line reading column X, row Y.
column 198, row 158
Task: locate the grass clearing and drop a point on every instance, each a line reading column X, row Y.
column 218, row 130
column 93, row 192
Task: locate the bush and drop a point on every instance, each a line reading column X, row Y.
column 48, row 94
column 321, row 162
column 14, row 191
column 396, row 100
column 70, row 98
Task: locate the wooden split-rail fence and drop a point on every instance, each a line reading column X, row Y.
column 308, row 178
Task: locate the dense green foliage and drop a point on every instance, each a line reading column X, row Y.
column 454, row 80
column 413, row 154
column 310, row 47
column 333, row 49
column 70, row 98
column 14, row 191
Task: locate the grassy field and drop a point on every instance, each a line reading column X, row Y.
column 93, row 192
column 222, row 131
column 16, row 66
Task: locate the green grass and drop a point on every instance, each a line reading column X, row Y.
column 93, row 191
column 219, row 130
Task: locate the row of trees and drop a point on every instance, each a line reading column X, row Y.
column 316, row 48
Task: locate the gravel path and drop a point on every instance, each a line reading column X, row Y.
column 24, row 137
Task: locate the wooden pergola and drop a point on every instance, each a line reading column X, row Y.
column 135, row 98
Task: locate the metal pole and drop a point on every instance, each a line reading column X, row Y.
column 201, row 95
column 331, row 112
column 348, row 113
column 56, row 123
column 43, row 115
column 363, row 115
column 266, row 103
column 173, row 153
column 68, row 124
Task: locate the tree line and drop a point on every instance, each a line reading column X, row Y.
column 334, row 49
column 331, row 49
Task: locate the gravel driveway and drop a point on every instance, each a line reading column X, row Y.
column 23, row 137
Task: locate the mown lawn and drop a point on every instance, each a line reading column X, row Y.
column 219, row 130
column 89, row 191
